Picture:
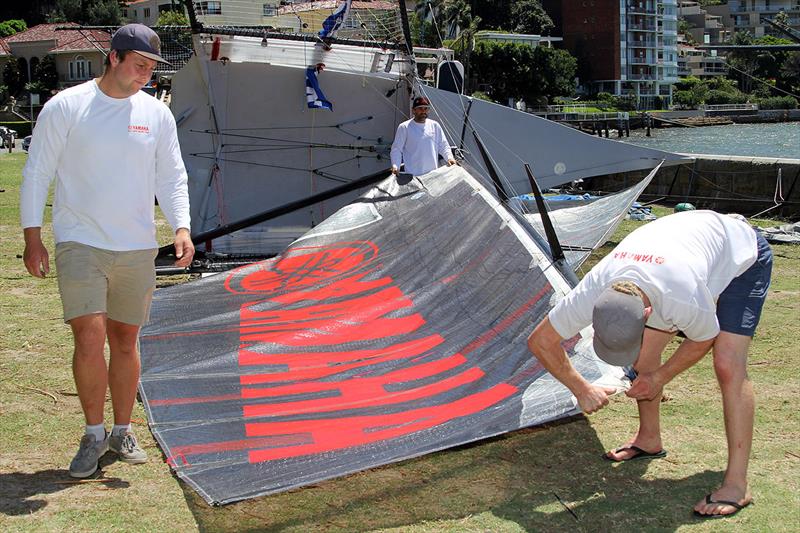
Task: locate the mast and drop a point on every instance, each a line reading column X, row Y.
column 406, row 27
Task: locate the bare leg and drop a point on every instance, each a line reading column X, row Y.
column 89, row 364
column 124, row 367
column 738, row 404
column 648, row 437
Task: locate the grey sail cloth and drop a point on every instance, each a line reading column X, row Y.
column 395, row 328
column 785, row 234
column 557, row 154
column 590, row 226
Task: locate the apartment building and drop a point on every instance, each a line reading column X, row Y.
column 747, row 15
column 704, row 27
column 624, row 47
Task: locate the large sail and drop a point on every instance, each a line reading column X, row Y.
column 557, row 154
column 582, row 228
column 395, row 328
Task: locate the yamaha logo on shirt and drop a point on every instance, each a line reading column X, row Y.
column 139, row 129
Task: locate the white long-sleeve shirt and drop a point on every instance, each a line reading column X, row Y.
column 682, row 262
column 109, row 158
column 419, row 145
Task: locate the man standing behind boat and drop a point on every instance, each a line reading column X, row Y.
column 111, row 149
column 697, row 272
column 419, row 142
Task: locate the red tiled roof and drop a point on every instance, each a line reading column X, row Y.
column 65, row 40
column 4, row 49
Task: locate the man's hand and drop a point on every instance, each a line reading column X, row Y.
column 646, row 386
column 184, row 248
column 36, row 258
column 594, row 398
column 394, row 170
column 451, row 162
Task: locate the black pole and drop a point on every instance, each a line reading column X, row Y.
column 466, row 122
column 406, row 27
column 487, row 160
column 280, row 210
column 549, row 230
column 196, row 26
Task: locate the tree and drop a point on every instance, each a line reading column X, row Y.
column 46, row 73
column 782, row 18
column 519, row 71
column 88, row 12
column 553, row 74
column 495, row 14
column 744, row 62
column 10, row 27
column 13, row 77
column 422, row 32
column 172, row 18
column 530, row 17
column 790, row 71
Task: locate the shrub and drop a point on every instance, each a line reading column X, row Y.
column 685, row 99
column 480, row 95
column 716, row 97
column 36, row 87
column 778, row 102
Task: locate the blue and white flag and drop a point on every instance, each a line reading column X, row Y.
column 335, row 20
column 314, row 95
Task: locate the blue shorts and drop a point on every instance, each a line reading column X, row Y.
column 739, row 305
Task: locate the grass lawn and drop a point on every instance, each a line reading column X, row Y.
column 542, row 479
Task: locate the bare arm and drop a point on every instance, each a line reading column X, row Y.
column 648, row 385
column 545, row 344
column 36, row 258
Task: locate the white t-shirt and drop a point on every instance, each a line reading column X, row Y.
column 109, row 158
column 682, row 262
column 419, row 145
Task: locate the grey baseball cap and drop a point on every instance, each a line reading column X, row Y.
column 140, row 39
column 618, row 320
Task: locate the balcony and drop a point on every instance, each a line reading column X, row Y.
column 641, row 77
column 641, row 27
column 642, row 43
column 633, row 60
column 644, row 8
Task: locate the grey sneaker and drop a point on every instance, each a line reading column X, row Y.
column 85, row 462
column 126, row 447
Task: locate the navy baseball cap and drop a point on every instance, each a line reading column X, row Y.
column 421, row 101
column 139, row 38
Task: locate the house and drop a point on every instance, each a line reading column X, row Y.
column 147, row 11
column 79, row 54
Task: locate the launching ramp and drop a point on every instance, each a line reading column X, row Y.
column 395, row 328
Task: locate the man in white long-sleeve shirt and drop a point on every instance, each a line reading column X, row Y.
column 419, row 142
column 110, row 149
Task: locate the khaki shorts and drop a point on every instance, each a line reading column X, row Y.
column 92, row 280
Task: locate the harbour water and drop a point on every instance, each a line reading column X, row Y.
column 754, row 140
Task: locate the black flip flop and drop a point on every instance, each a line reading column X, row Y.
column 735, row 505
column 640, row 454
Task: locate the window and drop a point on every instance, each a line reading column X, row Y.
column 80, row 68
column 147, row 12
column 269, row 10
column 208, row 8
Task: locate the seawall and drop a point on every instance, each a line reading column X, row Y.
column 746, row 185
